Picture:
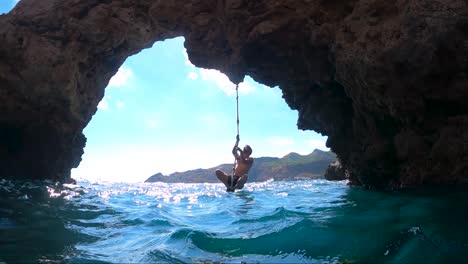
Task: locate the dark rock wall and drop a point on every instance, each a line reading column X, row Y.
column 386, row 81
column 404, row 66
column 335, row 172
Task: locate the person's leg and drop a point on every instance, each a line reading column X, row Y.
column 223, row 177
column 242, row 180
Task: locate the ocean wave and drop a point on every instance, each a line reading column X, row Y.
column 280, row 213
column 271, row 222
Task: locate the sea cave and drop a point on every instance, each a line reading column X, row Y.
column 385, row 81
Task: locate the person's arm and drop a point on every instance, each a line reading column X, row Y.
column 236, row 148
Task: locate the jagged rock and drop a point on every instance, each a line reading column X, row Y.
column 335, row 172
column 386, row 81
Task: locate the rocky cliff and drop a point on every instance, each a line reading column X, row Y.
column 291, row 167
column 386, row 81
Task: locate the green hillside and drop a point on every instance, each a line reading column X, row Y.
column 290, row 167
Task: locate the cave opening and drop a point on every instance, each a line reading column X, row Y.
column 160, row 113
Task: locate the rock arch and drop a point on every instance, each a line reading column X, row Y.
column 385, row 81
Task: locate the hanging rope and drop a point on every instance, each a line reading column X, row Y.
column 237, row 108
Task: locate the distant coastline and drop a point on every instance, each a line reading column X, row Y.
column 291, row 167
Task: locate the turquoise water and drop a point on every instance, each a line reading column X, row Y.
column 272, row 222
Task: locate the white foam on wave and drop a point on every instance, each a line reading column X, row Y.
column 415, row 230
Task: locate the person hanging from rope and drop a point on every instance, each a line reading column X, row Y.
column 242, row 162
column 241, row 167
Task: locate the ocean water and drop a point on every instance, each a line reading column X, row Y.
column 272, row 222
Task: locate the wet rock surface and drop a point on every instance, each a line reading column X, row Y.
column 385, row 81
column 335, row 172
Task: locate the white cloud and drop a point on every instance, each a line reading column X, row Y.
column 219, row 78
column 153, row 119
column 121, row 78
column 317, row 144
column 119, row 104
column 135, row 163
column 281, row 141
column 223, row 82
column 103, row 105
column 278, row 146
column 117, row 165
column 153, row 123
column 245, row 87
column 192, row 75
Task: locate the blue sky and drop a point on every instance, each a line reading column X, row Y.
column 7, row 5
column 162, row 114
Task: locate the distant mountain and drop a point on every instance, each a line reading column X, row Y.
column 288, row 168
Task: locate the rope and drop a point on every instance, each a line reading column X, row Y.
column 237, row 108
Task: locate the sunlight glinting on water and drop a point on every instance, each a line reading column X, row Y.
column 295, row 222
